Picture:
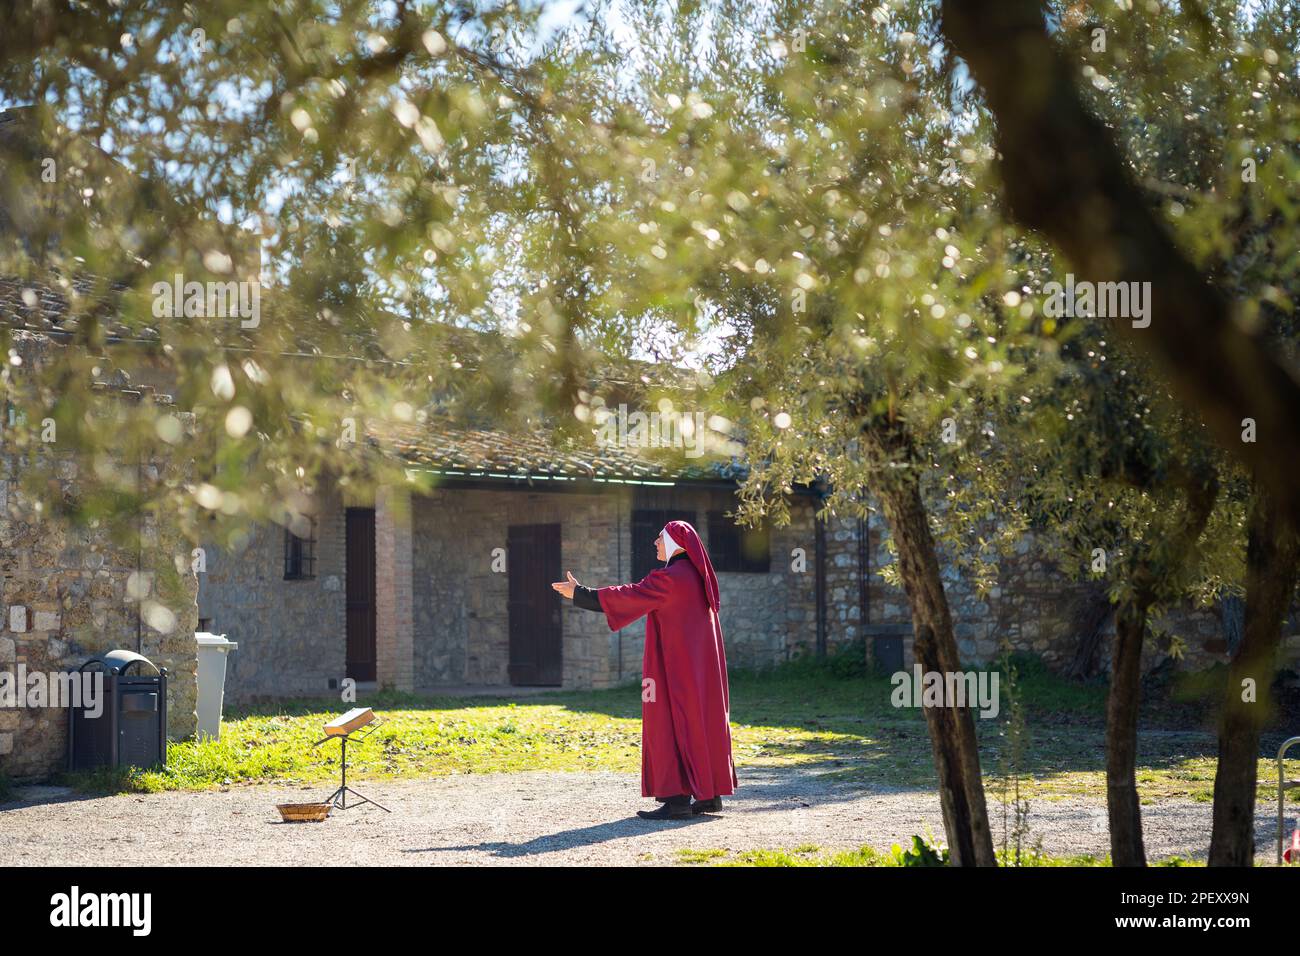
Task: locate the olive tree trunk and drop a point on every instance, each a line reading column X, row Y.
column 952, row 729
column 1271, row 560
column 1154, row 575
column 1122, row 704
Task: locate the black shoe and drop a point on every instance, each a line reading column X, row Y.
column 707, row 806
column 674, row 808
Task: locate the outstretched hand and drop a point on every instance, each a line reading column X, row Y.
column 565, row 588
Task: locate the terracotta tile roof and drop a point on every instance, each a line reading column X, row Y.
column 39, row 307
column 42, row 307
column 28, row 305
column 439, row 446
column 483, row 454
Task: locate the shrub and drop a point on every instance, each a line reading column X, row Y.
column 923, row 853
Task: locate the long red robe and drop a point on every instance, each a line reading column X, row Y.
column 685, row 729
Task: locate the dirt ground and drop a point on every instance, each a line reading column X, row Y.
column 530, row 819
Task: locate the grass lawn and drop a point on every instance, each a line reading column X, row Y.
column 827, row 717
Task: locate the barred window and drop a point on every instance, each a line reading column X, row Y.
column 300, row 554
column 736, row 548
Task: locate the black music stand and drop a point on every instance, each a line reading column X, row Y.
column 339, row 798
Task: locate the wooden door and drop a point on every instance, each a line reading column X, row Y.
column 536, row 636
column 360, row 569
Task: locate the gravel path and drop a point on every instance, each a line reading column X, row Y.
column 528, row 819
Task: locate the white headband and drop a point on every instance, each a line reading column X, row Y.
column 669, row 544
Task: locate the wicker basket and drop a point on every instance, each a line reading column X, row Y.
column 303, row 812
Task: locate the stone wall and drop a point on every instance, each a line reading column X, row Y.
column 770, row 618
column 461, row 585
column 394, row 590
column 1033, row 607
column 70, row 593
column 291, row 634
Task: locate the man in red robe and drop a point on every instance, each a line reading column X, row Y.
column 685, row 700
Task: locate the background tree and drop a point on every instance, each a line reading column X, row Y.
column 1064, row 175
column 857, row 319
column 473, row 212
column 1104, row 468
column 1213, row 153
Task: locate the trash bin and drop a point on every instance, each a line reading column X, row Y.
column 127, row 726
column 213, row 649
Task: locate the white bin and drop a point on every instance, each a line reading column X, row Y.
column 213, row 649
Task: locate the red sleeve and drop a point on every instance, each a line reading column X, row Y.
column 625, row 603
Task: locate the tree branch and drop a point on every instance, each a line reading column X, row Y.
column 1064, row 176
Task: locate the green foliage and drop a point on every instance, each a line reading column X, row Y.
column 366, row 160
column 1045, row 693
column 810, row 856
column 1013, row 747
column 699, row 856
column 847, row 661
column 815, row 229
column 923, row 852
column 1203, row 688
column 108, row 780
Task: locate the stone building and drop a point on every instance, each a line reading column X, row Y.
column 421, row 588
column 449, row 586
column 74, row 591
